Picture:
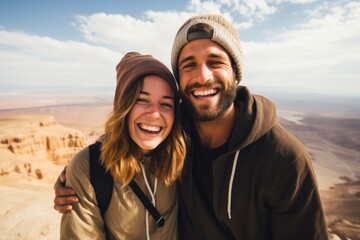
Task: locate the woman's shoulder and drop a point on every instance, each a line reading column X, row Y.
column 78, row 174
column 78, row 168
column 80, row 161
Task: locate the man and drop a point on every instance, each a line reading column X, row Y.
column 245, row 177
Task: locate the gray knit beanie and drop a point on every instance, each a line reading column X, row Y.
column 224, row 34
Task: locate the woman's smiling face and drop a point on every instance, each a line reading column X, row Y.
column 151, row 118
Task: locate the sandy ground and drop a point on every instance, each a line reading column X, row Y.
column 334, row 145
column 26, row 209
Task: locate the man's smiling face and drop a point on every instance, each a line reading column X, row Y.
column 207, row 81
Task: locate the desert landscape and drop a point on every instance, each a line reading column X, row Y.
column 40, row 132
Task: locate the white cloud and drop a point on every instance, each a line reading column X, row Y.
column 295, row 1
column 34, row 60
column 319, row 55
column 153, row 33
column 249, row 11
column 244, row 25
column 259, row 9
column 203, row 7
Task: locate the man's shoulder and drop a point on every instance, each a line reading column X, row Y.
column 282, row 146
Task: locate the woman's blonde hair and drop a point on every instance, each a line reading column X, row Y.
column 120, row 155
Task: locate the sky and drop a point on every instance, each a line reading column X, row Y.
column 308, row 46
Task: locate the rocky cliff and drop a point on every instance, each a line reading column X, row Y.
column 39, row 134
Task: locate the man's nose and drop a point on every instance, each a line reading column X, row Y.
column 204, row 74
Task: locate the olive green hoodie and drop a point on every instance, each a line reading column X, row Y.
column 264, row 185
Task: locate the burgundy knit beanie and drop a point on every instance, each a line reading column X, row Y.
column 133, row 66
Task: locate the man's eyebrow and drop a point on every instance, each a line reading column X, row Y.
column 213, row 55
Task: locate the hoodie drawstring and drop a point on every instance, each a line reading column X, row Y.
column 231, row 182
column 152, row 194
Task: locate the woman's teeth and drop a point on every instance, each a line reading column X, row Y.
column 150, row 128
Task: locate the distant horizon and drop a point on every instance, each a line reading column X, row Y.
column 284, row 99
column 8, row 88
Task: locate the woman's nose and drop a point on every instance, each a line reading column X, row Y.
column 153, row 110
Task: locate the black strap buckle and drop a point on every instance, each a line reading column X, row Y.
column 160, row 221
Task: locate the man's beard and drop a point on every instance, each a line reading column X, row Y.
column 205, row 113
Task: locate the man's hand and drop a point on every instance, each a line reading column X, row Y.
column 64, row 197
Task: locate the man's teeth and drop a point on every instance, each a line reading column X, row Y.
column 204, row 93
column 150, row 128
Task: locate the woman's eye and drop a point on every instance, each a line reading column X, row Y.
column 167, row 105
column 141, row 100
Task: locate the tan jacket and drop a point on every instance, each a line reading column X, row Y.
column 126, row 215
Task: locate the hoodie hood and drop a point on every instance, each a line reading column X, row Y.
column 257, row 115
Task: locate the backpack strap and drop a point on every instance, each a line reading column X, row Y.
column 100, row 179
column 160, row 221
column 103, row 183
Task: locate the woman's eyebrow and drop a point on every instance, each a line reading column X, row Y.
column 165, row 96
column 168, row 97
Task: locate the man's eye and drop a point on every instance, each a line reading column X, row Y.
column 215, row 63
column 188, row 66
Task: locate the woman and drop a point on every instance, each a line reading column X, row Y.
column 143, row 142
